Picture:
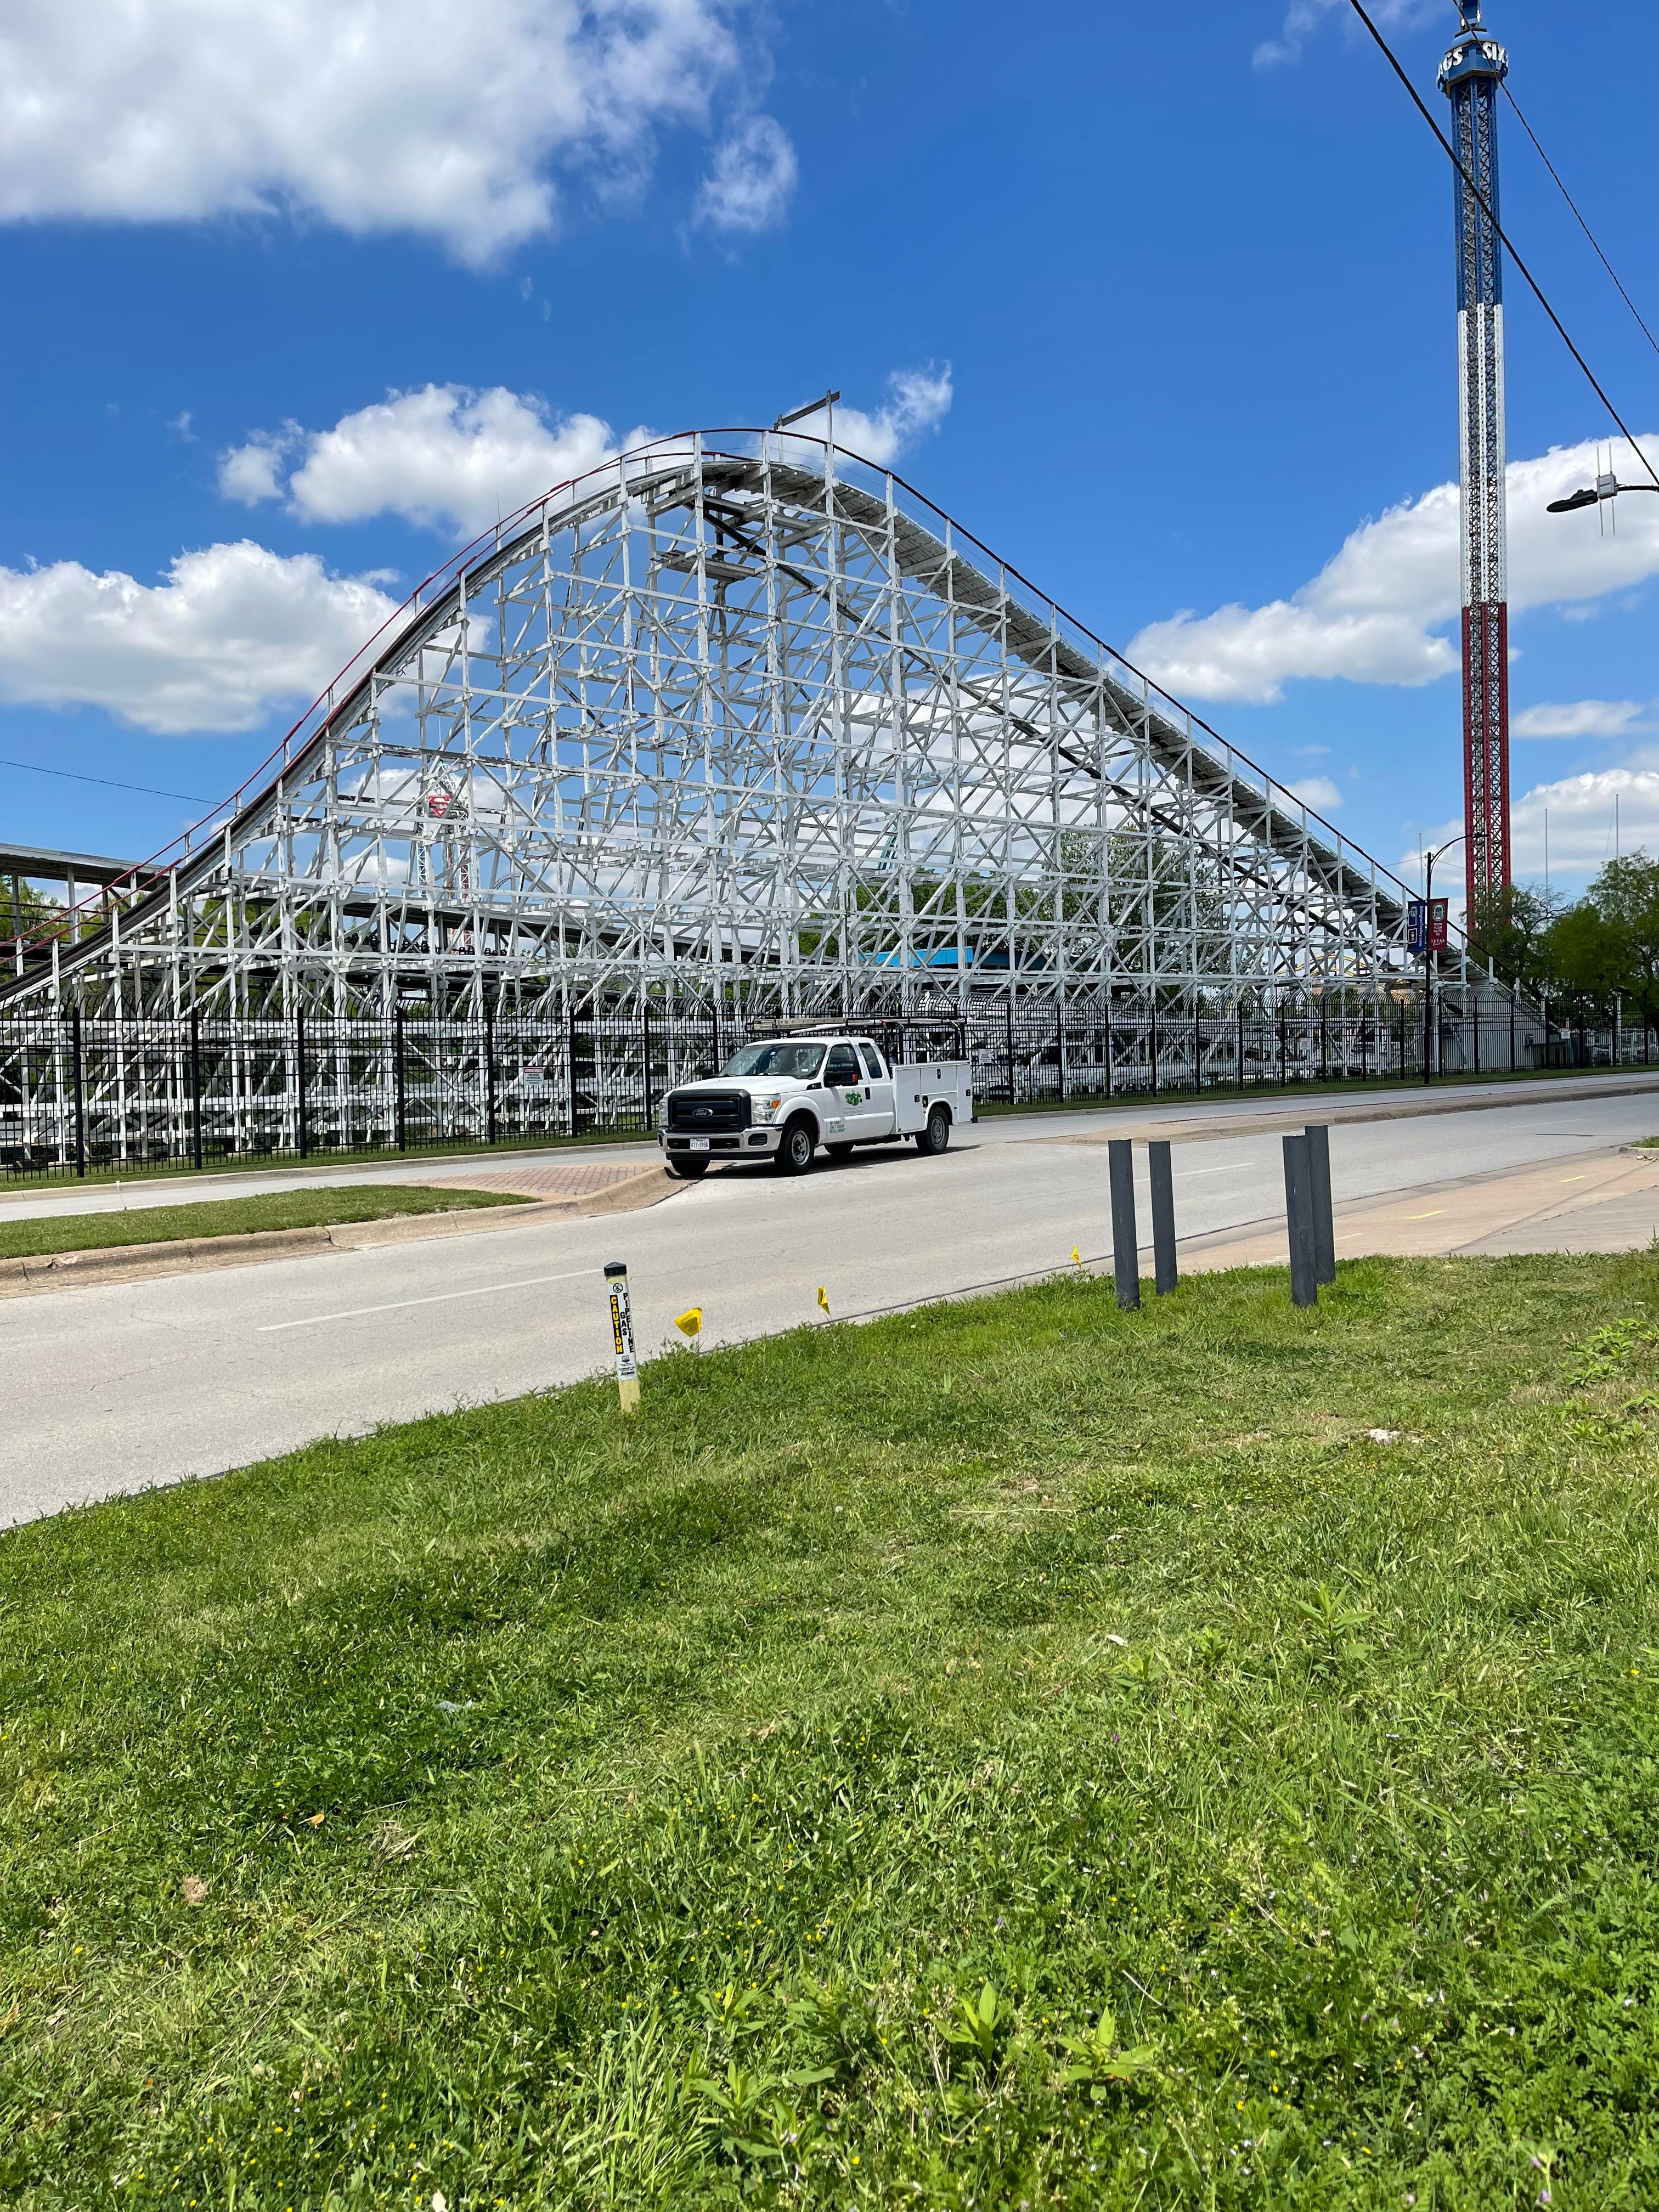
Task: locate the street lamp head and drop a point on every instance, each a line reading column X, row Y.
column 1574, row 501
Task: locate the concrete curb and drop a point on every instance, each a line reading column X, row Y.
column 128, row 1263
column 120, row 1263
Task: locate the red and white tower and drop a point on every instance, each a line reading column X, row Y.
column 1469, row 77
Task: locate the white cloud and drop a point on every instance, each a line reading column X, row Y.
column 1580, row 718
column 1376, row 612
column 749, row 179
column 444, row 456
column 254, row 472
column 1317, row 792
column 373, row 115
column 456, row 460
column 918, row 400
column 1581, row 821
column 230, row 633
column 1304, row 17
column 1581, row 829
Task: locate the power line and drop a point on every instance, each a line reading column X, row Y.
column 1583, row 225
column 108, row 782
column 1491, row 214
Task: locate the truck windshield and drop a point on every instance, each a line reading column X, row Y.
column 799, row 1062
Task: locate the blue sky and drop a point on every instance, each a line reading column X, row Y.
column 1158, row 302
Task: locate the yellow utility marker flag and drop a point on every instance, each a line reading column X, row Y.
column 689, row 1323
column 824, row 1298
column 1077, row 1257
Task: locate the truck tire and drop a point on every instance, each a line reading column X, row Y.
column 936, row 1136
column 839, row 1154
column 688, row 1169
column 797, row 1146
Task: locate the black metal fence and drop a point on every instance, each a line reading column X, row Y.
column 79, row 1096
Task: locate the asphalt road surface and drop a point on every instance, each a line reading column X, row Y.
column 117, row 1388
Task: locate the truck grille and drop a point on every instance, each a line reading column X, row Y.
column 703, row 1113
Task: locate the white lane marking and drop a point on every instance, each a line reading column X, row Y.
column 1234, row 1167
column 442, row 1297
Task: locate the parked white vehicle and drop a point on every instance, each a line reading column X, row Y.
column 783, row 1098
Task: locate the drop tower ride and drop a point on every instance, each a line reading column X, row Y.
column 1470, row 74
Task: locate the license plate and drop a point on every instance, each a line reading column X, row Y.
column 700, row 1144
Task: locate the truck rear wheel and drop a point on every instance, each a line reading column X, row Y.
column 936, row 1136
column 795, row 1152
column 839, row 1154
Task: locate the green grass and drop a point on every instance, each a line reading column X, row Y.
column 434, row 1151
column 1015, row 1755
column 236, row 1217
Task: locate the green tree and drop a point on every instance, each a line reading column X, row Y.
column 1586, row 959
column 1511, row 928
column 1625, row 895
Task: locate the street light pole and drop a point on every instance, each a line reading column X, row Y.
column 1429, row 860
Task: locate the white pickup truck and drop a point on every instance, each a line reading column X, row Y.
column 784, row 1098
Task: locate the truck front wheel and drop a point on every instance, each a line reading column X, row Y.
column 936, row 1136
column 795, row 1152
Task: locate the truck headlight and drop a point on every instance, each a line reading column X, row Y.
column 764, row 1109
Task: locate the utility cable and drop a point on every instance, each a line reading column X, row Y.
column 1583, row 225
column 108, row 782
column 1490, row 212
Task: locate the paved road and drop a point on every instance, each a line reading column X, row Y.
column 113, row 1388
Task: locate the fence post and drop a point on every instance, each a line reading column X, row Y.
column 1108, row 1041
column 489, row 1074
column 570, row 1057
column 1008, row 1013
column 1164, row 1229
column 397, row 1072
column 1240, row 1055
column 195, row 1088
column 1324, row 1041
column 1319, row 1184
column 645, row 1058
column 80, row 1094
column 1298, row 1221
column 1282, row 1077
column 301, row 1128
column 1126, row 1254
column 1198, row 1045
column 1151, row 1040
column 1511, row 1029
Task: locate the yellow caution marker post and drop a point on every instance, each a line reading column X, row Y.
column 689, row 1323
column 621, row 1330
column 824, row 1300
column 1077, row 1257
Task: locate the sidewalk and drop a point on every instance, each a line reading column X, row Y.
column 1600, row 1202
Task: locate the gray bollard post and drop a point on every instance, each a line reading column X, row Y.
column 1324, row 1223
column 1298, row 1220
column 1126, row 1252
column 1164, row 1233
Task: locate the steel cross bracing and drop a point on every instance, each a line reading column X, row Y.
column 1470, row 76
column 752, row 725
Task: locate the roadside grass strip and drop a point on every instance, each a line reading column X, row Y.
column 234, row 1216
column 1012, row 1754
